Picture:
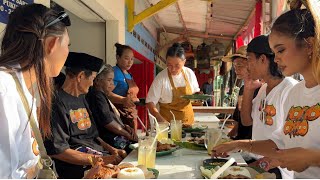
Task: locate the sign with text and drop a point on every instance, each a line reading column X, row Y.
column 8, row 6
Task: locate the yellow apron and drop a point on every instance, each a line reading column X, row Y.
column 181, row 108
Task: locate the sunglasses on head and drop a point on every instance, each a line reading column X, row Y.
column 63, row 17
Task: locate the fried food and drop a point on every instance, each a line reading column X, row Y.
column 164, row 147
column 196, row 140
column 101, row 171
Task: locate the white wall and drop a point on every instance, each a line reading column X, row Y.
column 113, row 11
column 115, row 28
column 87, row 37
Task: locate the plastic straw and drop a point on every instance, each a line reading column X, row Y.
column 155, row 120
column 155, row 138
column 174, row 117
column 224, row 122
column 140, row 121
column 175, row 122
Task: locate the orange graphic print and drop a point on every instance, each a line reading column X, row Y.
column 35, row 148
column 297, row 122
column 267, row 113
column 81, row 117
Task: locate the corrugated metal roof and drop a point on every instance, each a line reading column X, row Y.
column 205, row 20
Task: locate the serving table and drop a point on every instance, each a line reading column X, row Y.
column 181, row 164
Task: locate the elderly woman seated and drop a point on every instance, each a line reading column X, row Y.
column 75, row 143
column 110, row 126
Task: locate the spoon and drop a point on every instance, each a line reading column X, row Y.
column 223, row 168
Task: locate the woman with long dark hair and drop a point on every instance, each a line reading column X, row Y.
column 34, row 49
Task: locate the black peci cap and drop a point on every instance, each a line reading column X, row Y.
column 260, row 45
column 83, row 60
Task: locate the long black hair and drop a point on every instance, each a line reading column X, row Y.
column 23, row 44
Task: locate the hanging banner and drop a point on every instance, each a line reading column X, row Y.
column 8, row 6
column 253, row 29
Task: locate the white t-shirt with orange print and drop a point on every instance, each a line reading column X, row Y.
column 302, row 124
column 267, row 112
column 18, row 149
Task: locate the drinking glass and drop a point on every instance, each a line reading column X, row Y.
column 212, row 137
column 147, row 152
column 176, row 130
column 164, row 134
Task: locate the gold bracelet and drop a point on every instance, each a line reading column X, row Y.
column 250, row 149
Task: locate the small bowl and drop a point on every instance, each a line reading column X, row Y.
column 212, row 163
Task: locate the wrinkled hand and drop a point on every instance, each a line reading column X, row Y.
column 127, row 102
column 222, row 150
column 251, row 84
column 134, row 136
column 119, row 152
column 112, row 159
column 296, row 159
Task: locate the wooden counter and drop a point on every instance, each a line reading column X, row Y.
column 213, row 109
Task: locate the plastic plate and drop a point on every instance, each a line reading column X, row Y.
column 190, row 145
column 155, row 172
column 212, row 163
column 164, row 153
column 158, row 154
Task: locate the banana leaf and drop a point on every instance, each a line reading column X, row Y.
column 190, row 145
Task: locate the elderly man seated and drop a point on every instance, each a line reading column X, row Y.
column 75, row 142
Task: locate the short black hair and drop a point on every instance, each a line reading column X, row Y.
column 176, row 50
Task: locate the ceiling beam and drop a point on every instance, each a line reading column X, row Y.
column 182, row 20
column 196, row 34
column 136, row 19
column 245, row 24
column 157, row 19
column 208, row 17
column 177, row 39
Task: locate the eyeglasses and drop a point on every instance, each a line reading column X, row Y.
column 63, row 17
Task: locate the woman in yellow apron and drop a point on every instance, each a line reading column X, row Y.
column 168, row 87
